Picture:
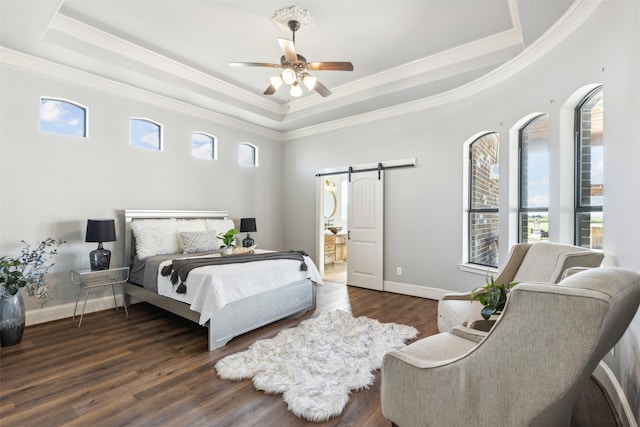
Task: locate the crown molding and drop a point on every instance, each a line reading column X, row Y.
column 48, row 68
column 575, row 16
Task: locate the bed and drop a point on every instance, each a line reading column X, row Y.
column 274, row 290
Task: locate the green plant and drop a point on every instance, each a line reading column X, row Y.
column 493, row 297
column 228, row 238
column 28, row 269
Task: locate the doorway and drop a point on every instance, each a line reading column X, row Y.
column 334, row 215
column 350, row 228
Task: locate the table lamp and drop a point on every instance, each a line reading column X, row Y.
column 247, row 225
column 100, row 230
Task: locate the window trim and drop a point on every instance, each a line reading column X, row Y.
column 70, row 102
column 255, row 154
column 214, row 145
column 160, row 131
column 522, row 210
column 578, row 208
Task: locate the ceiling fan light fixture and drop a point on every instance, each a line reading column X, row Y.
column 276, row 81
column 309, row 81
column 296, row 90
column 288, row 76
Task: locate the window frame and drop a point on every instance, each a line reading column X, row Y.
column 160, row 134
column 214, row 145
column 85, row 110
column 255, row 154
column 470, row 198
column 579, row 207
column 521, row 209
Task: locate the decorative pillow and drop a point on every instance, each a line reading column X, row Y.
column 189, row 225
column 199, row 241
column 155, row 237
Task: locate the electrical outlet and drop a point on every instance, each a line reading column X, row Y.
column 398, row 271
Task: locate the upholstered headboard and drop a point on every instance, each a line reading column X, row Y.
column 131, row 215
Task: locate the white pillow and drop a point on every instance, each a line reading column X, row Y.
column 199, row 241
column 221, row 225
column 155, row 237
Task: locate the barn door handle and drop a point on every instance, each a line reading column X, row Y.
column 349, row 235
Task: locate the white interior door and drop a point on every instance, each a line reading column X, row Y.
column 365, row 225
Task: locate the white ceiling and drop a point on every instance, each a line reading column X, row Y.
column 402, row 50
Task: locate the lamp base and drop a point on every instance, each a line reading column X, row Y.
column 100, row 258
column 247, row 242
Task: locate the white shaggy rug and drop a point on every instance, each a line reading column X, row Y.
column 317, row 363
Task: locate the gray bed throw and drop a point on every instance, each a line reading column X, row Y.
column 179, row 268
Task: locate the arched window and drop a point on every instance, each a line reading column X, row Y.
column 484, row 197
column 589, row 170
column 63, row 117
column 146, row 134
column 533, row 207
column 247, row 155
column 204, row 146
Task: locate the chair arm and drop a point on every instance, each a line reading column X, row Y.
column 462, row 296
column 469, row 333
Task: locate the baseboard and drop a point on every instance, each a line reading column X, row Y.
column 64, row 311
column 414, row 290
column 611, row 386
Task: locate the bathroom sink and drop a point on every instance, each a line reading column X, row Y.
column 334, row 230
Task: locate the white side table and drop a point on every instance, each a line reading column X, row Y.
column 88, row 279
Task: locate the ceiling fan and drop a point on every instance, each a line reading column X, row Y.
column 295, row 68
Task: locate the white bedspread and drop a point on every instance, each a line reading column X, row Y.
column 212, row 287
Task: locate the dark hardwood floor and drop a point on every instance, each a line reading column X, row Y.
column 153, row 369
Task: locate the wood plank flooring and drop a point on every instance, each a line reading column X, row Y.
column 153, row 369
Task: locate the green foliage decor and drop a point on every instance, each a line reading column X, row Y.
column 28, row 270
column 228, row 238
column 493, row 297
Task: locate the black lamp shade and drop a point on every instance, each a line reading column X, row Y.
column 247, row 225
column 100, row 230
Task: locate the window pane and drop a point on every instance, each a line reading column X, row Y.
column 589, row 229
column 61, row 117
column 146, row 134
column 483, row 244
column 534, row 227
column 203, row 145
column 534, row 163
column 485, row 183
column 590, row 164
column 247, row 155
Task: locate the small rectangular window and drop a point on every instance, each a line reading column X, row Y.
column 146, row 134
column 248, row 155
column 203, row 146
column 63, row 117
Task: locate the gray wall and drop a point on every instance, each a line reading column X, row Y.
column 51, row 184
column 423, row 213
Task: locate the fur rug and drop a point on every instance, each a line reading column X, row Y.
column 316, row 364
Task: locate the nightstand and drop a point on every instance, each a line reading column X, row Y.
column 89, row 279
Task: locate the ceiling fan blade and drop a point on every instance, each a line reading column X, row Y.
column 270, row 90
column 253, row 64
column 322, row 89
column 330, row 66
column 289, row 50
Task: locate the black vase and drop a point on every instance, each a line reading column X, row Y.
column 12, row 315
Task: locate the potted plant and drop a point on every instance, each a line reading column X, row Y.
column 493, row 296
column 26, row 271
column 228, row 241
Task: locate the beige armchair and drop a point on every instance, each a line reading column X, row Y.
column 531, row 262
column 530, row 368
